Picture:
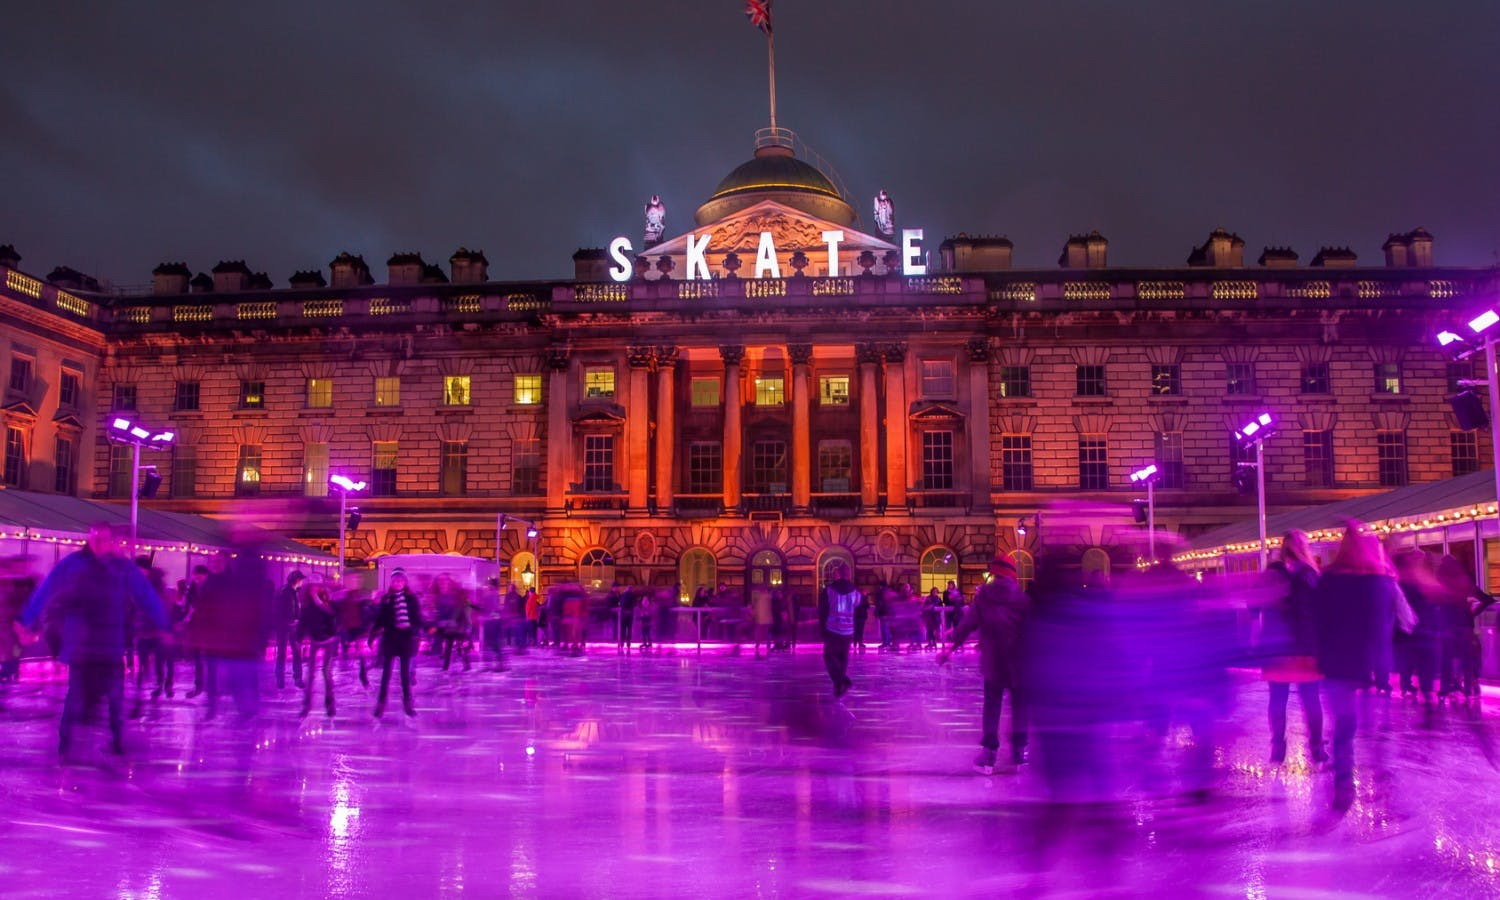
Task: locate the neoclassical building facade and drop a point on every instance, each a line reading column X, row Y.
column 797, row 405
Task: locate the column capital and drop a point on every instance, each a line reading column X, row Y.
column 894, row 351
column 640, row 357
column 666, row 357
column 978, row 349
column 800, row 354
column 557, row 358
column 867, row 352
column 732, row 354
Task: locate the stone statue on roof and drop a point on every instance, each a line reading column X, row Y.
column 656, row 220
column 885, row 214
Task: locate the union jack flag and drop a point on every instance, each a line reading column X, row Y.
column 759, row 14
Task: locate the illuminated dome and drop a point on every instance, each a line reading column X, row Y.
column 776, row 174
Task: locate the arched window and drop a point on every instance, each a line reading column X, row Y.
column 831, row 558
column 939, row 566
column 596, row 569
column 766, row 570
column 523, row 572
column 1095, row 567
column 697, row 568
column 1025, row 568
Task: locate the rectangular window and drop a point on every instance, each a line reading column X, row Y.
column 937, row 378
column 770, row 390
column 184, row 470
column 526, row 467
column 63, row 466
column 20, row 374
column 1316, row 378
column 1169, row 460
column 388, row 390
column 599, row 384
column 1015, row 381
column 123, row 399
column 1091, row 381
column 120, row 461
column 835, row 467
column 69, row 388
column 1317, row 458
column 456, row 390
column 315, row 470
column 528, row 390
column 703, row 391
column 768, row 467
column 1093, row 464
column 247, row 471
column 1166, row 381
column 1464, row 450
column 185, row 396
column 1390, row 451
column 1239, row 379
column 1015, row 462
column 252, row 395
column 599, row 460
column 15, row 456
column 454, row 480
column 1459, row 372
column 384, row 457
column 705, row 468
column 1388, row 378
column 319, row 393
column 833, row 390
column 937, row 460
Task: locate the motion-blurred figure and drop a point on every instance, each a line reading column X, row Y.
column 318, row 624
column 1288, row 645
column 89, row 595
column 397, row 625
column 454, row 619
column 232, row 624
column 16, row 585
column 836, row 608
column 284, row 613
column 997, row 616
column 1354, row 611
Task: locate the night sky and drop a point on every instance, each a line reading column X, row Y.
column 283, row 133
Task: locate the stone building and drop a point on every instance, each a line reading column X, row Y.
column 796, row 406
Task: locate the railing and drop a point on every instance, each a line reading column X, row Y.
column 933, row 284
column 692, row 505
column 599, row 293
column 768, row 502
column 75, row 305
column 1376, row 290
column 465, row 303
column 925, row 499
column 256, row 309
column 1443, row 290
column 1160, row 290
column 23, row 283
column 1310, row 290
column 833, row 287
column 1085, row 290
column 385, row 306
column 616, row 498
column 322, row 309
column 831, row 505
column 134, row 315
column 1235, row 290
column 1015, row 292
column 762, row 288
column 697, row 290
column 193, row 313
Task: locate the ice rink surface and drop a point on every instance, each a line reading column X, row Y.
column 717, row 776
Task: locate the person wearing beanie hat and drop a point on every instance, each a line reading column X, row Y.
column 997, row 616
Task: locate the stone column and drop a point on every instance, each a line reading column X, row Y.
column 869, row 425
column 981, row 449
column 801, row 357
column 559, row 429
column 896, row 432
column 732, row 355
column 638, row 424
column 666, row 425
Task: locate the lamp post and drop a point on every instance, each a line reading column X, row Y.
column 1255, row 433
column 345, row 486
column 1480, row 327
column 1148, row 476
column 124, row 431
column 532, row 534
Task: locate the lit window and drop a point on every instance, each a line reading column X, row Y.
column 1025, row 568
column 20, row 374
column 599, row 461
column 835, row 466
column 1388, row 378
column 1390, row 448
column 1093, row 464
column 937, row 378
column 185, row 396
column 938, row 567
column 252, row 394
column 123, row 399
column 388, row 390
column 1015, row 462
column 937, row 460
column 768, row 467
column 770, row 390
column 69, row 388
column 1316, row 378
column 1091, row 381
column 62, row 466
column 1317, row 458
column 454, row 479
column 526, row 467
column 1239, row 379
column 456, row 390
column 319, row 393
column 833, row 390
column 1015, row 381
column 184, row 470
column 705, row 470
column 247, row 471
column 599, row 384
column 528, row 390
column 1095, row 567
column 1166, row 381
column 596, row 569
column 704, row 391
column 15, row 457
column 1464, row 450
column 315, row 470
column 384, row 458
column 696, row 569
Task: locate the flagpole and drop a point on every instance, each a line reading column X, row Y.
column 771, row 59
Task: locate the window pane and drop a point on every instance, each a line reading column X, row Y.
column 937, row 378
column 1015, row 381
column 184, row 470
column 119, row 470
column 388, row 390
column 1317, row 458
column 770, row 390
column 768, row 467
column 62, row 462
column 938, row 567
column 252, row 394
column 1239, row 379
column 124, row 398
column 937, row 460
column 320, row 392
column 528, row 390
column 599, row 462
column 384, row 459
column 315, row 470
column 704, row 391
column 185, row 398
column 247, row 473
column 705, row 468
column 835, row 466
column 833, row 390
column 1091, row 381
column 1169, row 460
column 1464, row 448
column 1315, row 378
column 526, row 468
column 456, row 390
column 455, row 468
column 20, row 374
column 1387, row 378
column 1015, row 462
column 599, row 384
column 68, row 388
column 15, row 457
column 1165, row 380
column 1093, row 464
column 1390, row 448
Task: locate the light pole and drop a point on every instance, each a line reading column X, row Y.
column 532, row 535
column 1255, row 432
column 1148, row 476
column 345, row 486
column 1480, row 326
column 124, row 431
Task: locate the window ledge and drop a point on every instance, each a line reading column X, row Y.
column 1168, row 399
column 1252, row 399
column 1018, row 401
column 1094, row 401
column 250, row 414
column 454, row 410
column 314, row 412
column 1390, row 398
column 383, row 411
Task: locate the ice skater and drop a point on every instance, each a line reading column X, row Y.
column 318, row 624
column 997, row 616
column 397, row 625
column 88, row 597
column 836, row 605
column 1289, row 643
column 284, row 620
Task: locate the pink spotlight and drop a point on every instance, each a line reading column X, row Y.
column 343, row 482
column 1483, row 321
column 120, row 424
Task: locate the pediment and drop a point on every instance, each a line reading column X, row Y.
column 790, row 228
column 599, row 414
column 934, row 410
column 67, row 421
column 19, row 409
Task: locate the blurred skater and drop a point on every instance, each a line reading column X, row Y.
column 836, row 606
column 397, row 625
column 284, row 620
column 318, row 625
column 1289, row 646
column 997, row 616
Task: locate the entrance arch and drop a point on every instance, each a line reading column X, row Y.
column 939, row 566
column 830, row 558
column 767, row 569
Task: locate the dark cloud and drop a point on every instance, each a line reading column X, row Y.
column 286, row 132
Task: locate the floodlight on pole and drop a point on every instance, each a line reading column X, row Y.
column 1484, row 321
column 1254, row 433
column 1148, row 476
column 124, row 431
column 345, row 486
column 1465, row 406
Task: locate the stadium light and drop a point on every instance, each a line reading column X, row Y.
column 345, row 486
column 124, row 431
column 1148, row 476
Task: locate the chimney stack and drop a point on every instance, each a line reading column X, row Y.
column 468, row 266
column 1335, row 258
column 170, row 278
column 307, row 279
column 405, row 268
column 591, row 264
column 231, row 275
column 1277, row 258
column 9, row 258
column 1222, row 250
column 350, row 271
column 975, row 254
column 1085, row 251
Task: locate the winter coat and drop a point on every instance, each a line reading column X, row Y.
column 1287, row 626
column 1354, row 616
column 997, row 616
column 317, row 623
column 89, row 600
column 836, row 607
column 396, row 641
column 232, row 613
